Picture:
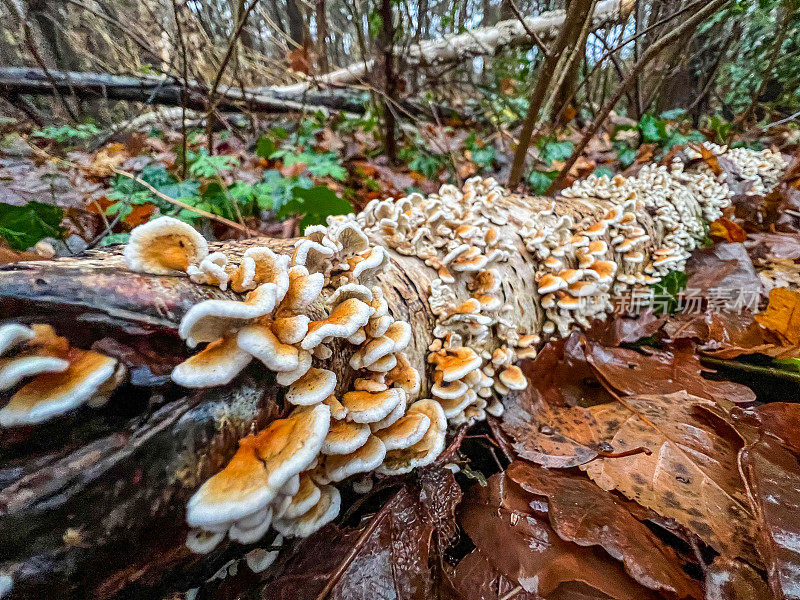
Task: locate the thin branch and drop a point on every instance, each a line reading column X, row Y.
column 188, row 207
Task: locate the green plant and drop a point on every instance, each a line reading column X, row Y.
column 316, row 204
column 23, row 226
column 325, row 164
column 541, row 180
column 203, row 164
column 668, row 291
column 482, row 155
column 67, row 133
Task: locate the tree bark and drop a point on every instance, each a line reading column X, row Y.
column 93, row 504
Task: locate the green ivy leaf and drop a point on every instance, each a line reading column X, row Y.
column 553, row 150
column 316, row 204
column 600, row 171
column 626, row 156
column 265, row 147
column 23, row 226
column 672, row 114
column 652, row 129
column 541, row 180
column 115, row 238
column 667, row 290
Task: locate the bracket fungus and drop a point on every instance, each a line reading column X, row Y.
column 49, row 377
column 165, row 246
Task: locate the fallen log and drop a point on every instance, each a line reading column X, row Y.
column 462, row 47
column 17, row 81
column 93, row 503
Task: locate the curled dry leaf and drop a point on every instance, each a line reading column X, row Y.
column 581, row 512
column 725, row 267
column 690, row 474
column 782, row 315
column 545, row 421
column 630, row 373
column 525, row 549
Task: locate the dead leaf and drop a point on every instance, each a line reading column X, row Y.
column 727, row 230
column 731, row 579
column 581, row 512
column 293, row 170
column 673, row 370
column 526, row 550
column 724, row 274
column 392, row 556
column 782, row 315
column 690, row 474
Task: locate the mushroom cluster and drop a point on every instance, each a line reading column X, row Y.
column 48, row 376
column 282, row 477
column 461, row 235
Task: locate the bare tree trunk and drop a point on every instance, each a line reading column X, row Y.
column 322, row 36
column 385, row 43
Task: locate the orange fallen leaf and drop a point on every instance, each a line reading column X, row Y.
column 782, row 314
column 709, row 157
column 727, row 230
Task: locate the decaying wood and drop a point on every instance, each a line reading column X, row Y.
column 93, row 504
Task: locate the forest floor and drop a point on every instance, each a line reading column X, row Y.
column 710, row 386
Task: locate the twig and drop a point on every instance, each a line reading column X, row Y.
column 740, row 366
column 540, row 90
column 362, row 539
column 188, row 207
column 649, row 54
column 782, row 121
column 512, row 593
column 534, row 36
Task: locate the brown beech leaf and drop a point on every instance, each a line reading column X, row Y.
column 781, row 419
column 526, row 550
column 630, row 373
column 690, row 474
column 545, row 421
column 725, row 267
column 772, row 475
column 731, row 579
column 390, row 557
column 581, row 512
column 782, row 315
column 727, row 230
column 728, row 335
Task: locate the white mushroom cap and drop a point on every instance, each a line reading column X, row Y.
column 376, row 258
column 14, row 370
column 363, row 460
column 269, row 267
column 311, row 255
column 203, row 542
column 425, row 451
column 454, row 406
column 372, row 351
column 404, row 432
column 263, row 344
column 13, row 334
column 291, row 330
column 347, row 318
column 455, row 363
column 217, row 364
column 322, row 513
column 164, row 246
column 258, row 526
column 260, row 559
column 305, row 498
column 89, row 374
column 351, row 290
column 345, row 437
column 261, row 466
column 211, row 270
column 304, row 361
column 397, row 412
column 304, row 288
column 313, row 387
column 513, row 378
column 211, row 319
column 369, row 407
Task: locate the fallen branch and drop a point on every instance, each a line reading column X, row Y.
column 483, row 41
